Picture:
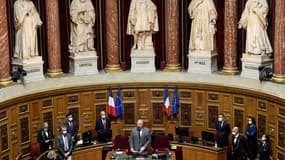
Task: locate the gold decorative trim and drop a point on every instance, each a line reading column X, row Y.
column 172, row 68
column 230, row 71
column 56, row 73
column 6, row 82
column 278, row 78
column 113, row 68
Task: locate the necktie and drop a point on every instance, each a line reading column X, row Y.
column 104, row 123
column 70, row 124
column 65, row 143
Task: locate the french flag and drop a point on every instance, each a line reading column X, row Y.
column 111, row 104
column 166, row 107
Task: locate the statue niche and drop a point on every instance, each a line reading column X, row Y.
column 83, row 56
column 142, row 24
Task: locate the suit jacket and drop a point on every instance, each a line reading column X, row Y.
column 136, row 141
column 60, row 145
column 42, row 137
column 73, row 130
column 222, row 134
column 100, row 127
column 239, row 148
column 264, row 151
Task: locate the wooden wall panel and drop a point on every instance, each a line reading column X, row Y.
column 87, row 109
column 198, row 110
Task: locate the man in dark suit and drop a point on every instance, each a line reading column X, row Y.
column 223, row 131
column 103, row 123
column 103, row 128
column 140, row 138
column 239, row 149
column 72, row 127
column 64, row 144
column 45, row 138
column 264, row 148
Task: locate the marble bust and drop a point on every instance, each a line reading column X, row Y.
column 253, row 20
column 82, row 15
column 142, row 22
column 27, row 20
column 203, row 28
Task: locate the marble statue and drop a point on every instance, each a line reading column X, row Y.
column 203, row 28
column 27, row 20
column 82, row 15
column 142, row 21
column 253, row 19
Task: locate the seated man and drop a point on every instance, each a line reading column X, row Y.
column 140, row 139
column 103, row 127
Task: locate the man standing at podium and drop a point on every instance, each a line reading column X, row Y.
column 103, row 123
column 103, row 127
column 223, row 131
column 140, row 138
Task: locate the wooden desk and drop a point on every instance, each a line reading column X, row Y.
column 199, row 152
column 91, row 152
column 131, row 158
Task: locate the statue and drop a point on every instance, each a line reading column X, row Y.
column 142, row 21
column 27, row 20
column 204, row 15
column 253, row 19
column 82, row 15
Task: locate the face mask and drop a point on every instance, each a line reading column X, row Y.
column 233, row 133
column 139, row 129
column 263, row 139
column 220, row 119
column 103, row 117
column 250, row 122
column 70, row 119
column 64, row 132
column 45, row 129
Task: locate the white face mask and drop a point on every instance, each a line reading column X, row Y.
column 233, row 133
column 250, row 122
column 220, row 119
column 64, row 132
column 263, row 138
column 70, row 119
column 103, row 117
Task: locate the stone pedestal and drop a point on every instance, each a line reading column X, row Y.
column 33, row 67
column 204, row 62
column 83, row 63
column 250, row 64
column 143, row 60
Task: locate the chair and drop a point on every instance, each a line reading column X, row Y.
column 121, row 143
column 35, row 150
column 161, row 144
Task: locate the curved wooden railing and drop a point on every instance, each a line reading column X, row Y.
column 19, row 156
column 43, row 154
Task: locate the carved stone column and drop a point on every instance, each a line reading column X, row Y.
column 230, row 40
column 172, row 36
column 112, row 36
column 5, row 79
column 53, row 38
column 279, row 42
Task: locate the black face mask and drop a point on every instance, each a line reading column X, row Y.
column 139, row 129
